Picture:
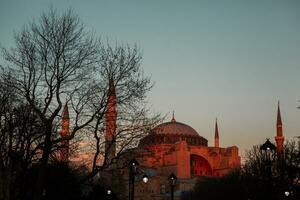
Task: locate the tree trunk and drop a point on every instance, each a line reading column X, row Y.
column 42, row 170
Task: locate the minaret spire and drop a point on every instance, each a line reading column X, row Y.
column 216, row 134
column 110, row 119
column 65, row 132
column 279, row 122
column 173, row 118
column 65, row 113
column 279, row 136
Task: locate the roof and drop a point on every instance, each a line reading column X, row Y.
column 172, row 132
column 174, row 128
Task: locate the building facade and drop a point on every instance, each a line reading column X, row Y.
column 174, row 147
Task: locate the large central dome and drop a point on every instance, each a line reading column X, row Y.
column 174, row 128
column 172, row 132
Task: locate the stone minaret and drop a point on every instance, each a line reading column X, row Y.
column 65, row 132
column 216, row 134
column 279, row 136
column 110, row 122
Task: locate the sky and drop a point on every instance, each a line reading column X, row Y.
column 227, row 59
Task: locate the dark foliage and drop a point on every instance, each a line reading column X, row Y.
column 62, row 182
column 228, row 187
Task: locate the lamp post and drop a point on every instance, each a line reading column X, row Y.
column 133, row 170
column 269, row 150
column 172, row 179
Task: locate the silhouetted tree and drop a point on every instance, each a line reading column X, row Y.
column 52, row 60
column 55, row 60
column 284, row 175
column 21, row 134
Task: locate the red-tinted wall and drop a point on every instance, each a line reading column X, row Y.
column 200, row 166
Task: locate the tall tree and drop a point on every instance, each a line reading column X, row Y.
column 56, row 60
column 52, row 59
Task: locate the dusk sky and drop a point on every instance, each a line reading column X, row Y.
column 227, row 59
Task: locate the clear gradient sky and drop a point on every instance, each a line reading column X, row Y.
column 228, row 59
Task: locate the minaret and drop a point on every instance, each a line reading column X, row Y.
column 279, row 137
column 65, row 132
column 216, row 134
column 110, row 119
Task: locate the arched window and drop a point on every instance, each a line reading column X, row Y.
column 200, row 166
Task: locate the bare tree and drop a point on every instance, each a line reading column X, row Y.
column 283, row 176
column 55, row 60
column 21, row 135
column 52, row 60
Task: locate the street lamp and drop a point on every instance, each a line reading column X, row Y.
column 172, row 179
column 109, row 194
column 133, row 170
column 145, row 178
column 269, row 150
column 268, row 146
column 287, row 193
column 133, row 165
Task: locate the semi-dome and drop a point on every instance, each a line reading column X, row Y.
column 172, row 132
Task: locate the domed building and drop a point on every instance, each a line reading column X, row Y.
column 174, row 147
column 169, row 148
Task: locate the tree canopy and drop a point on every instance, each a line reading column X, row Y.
column 55, row 61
